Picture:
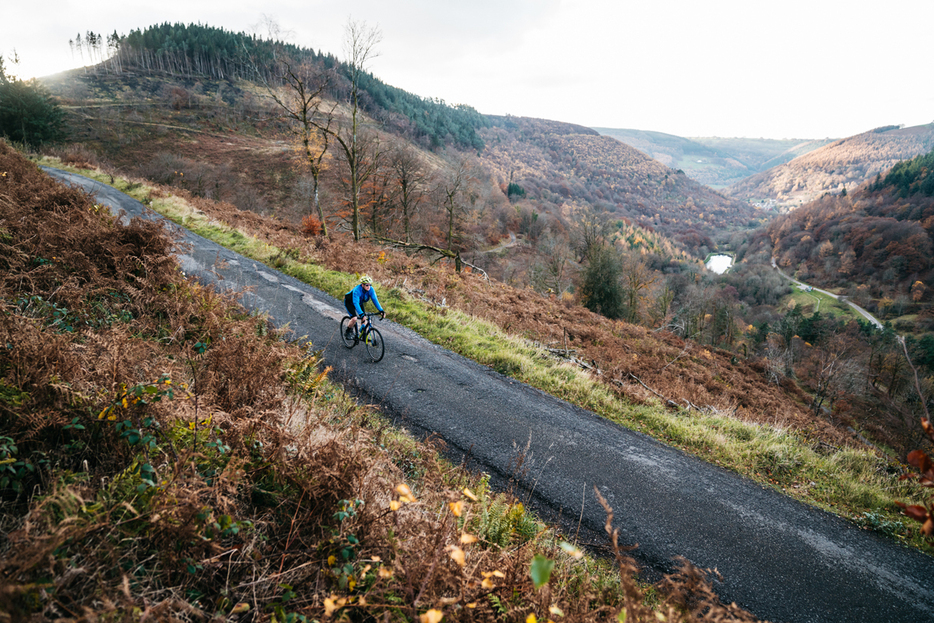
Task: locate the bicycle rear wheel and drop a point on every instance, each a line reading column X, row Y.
column 375, row 347
column 348, row 342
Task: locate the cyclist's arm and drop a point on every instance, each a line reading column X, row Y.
column 376, row 300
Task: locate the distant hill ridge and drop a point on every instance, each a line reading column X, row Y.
column 841, row 165
column 712, row 161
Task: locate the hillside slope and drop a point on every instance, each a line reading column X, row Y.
column 831, row 169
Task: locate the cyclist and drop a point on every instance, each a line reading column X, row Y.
column 356, row 299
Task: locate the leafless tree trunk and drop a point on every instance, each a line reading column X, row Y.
column 302, row 104
column 410, row 175
column 455, row 189
column 360, row 41
column 636, row 277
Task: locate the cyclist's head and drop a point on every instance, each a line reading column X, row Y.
column 366, row 280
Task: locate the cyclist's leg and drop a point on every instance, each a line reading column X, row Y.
column 348, row 305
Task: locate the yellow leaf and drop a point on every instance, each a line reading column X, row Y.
column 240, row 608
column 467, row 539
column 499, row 574
column 469, row 495
column 555, row 610
column 403, row 489
column 457, row 555
column 405, row 494
column 472, row 605
column 331, row 560
column 573, row 551
column 531, row 618
column 329, row 606
column 487, row 583
column 351, row 583
column 385, row 572
column 432, row 616
column 394, row 505
column 456, row 507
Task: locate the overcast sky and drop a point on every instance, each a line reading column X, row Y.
column 749, row 68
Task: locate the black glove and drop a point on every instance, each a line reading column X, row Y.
column 361, row 317
column 382, row 315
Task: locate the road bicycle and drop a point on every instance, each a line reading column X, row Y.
column 368, row 334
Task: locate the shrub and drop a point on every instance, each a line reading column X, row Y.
column 311, row 226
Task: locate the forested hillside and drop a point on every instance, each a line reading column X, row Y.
column 195, row 50
column 840, row 166
column 876, row 244
column 566, row 168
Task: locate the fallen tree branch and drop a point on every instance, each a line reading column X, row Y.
column 666, row 400
column 672, row 403
column 459, row 262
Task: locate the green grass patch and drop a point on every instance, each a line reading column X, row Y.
column 818, row 301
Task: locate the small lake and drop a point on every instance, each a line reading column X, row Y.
column 719, row 263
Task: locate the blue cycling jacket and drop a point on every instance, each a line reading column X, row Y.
column 361, row 296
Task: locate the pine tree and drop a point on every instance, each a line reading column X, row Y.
column 28, row 113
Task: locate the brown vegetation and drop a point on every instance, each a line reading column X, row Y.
column 165, row 456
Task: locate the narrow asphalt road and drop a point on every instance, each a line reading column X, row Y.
column 778, row 558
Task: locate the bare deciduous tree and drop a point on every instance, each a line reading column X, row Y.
column 360, row 41
column 411, row 179
column 456, row 190
column 302, row 104
column 553, row 273
column 636, row 278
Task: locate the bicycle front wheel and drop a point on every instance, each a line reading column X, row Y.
column 348, row 341
column 375, row 347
